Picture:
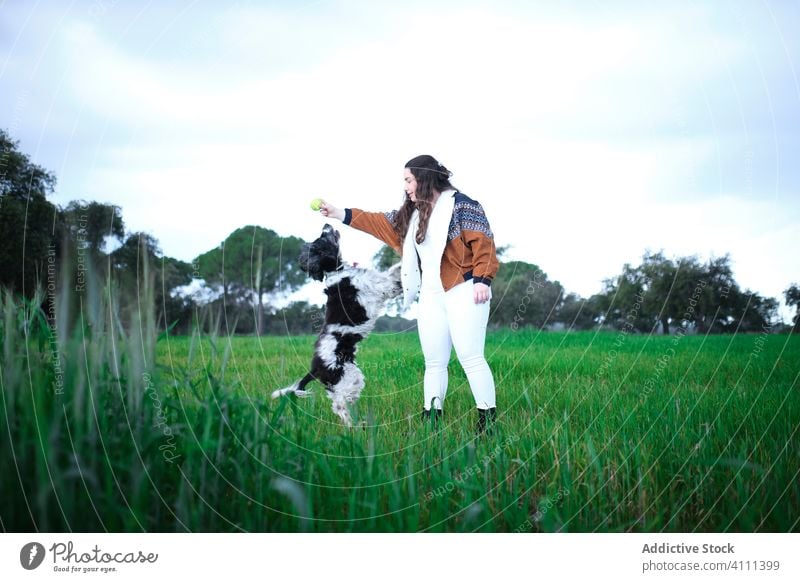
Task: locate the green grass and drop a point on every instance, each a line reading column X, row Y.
column 596, row 432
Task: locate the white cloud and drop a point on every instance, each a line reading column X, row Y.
column 587, row 137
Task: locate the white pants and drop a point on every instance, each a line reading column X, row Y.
column 452, row 319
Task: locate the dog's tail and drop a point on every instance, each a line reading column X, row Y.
column 298, row 388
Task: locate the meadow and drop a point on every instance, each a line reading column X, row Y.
column 116, row 428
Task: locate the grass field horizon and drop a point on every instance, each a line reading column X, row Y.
column 597, row 432
column 670, row 424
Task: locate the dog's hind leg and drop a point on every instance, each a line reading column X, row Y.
column 339, row 407
column 298, row 388
column 346, row 391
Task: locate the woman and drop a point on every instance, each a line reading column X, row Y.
column 449, row 261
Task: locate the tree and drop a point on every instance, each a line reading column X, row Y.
column 82, row 230
column 659, row 274
column 165, row 274
column 91, row 223
column 299, row 317
column 577, row 313
column 21, row 179
column 523, row 296
column 792, row 295
column 726, row 308
column 622, row 299
column 250, row 262
column 130, row 255
column 173, row 309
column 719, row 296
column 755, row 313
column 27, row 219
column 665, row 292
column 385, row 258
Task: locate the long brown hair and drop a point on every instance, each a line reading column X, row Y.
column 431, row 176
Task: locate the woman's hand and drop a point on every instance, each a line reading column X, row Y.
column 480, row 293
column 331, row 211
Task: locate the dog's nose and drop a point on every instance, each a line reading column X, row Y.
column 328, row 230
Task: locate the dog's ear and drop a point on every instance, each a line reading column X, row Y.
column 328, row 256
column 309, row 262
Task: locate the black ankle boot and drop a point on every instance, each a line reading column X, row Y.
column 486, row 420
column 437, row 416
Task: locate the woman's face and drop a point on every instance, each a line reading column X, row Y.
column 410, row 184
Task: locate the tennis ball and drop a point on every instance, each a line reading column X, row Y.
column 316, row 204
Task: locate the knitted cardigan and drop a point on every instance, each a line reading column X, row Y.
column 470, row 251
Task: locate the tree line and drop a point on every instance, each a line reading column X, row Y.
column 235, row 285
column 660, row 295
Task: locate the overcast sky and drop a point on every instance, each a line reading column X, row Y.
column 590, row 132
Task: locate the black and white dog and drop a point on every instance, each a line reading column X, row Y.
column 356, row 297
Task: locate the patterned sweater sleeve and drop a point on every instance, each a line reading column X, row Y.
column 378, row 224
column 477, row 236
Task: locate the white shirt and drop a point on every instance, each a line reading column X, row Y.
column 431, row 249
column 429, row 252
